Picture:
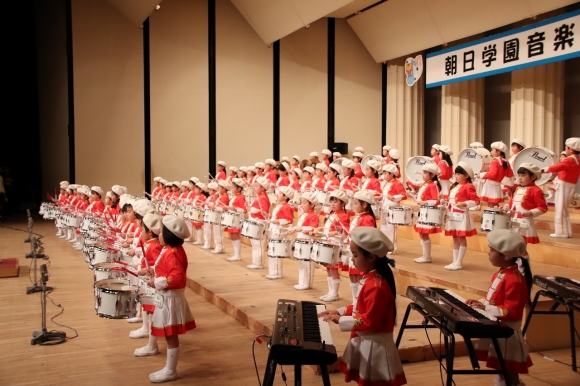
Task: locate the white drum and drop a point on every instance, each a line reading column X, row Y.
column 100, row 255
column 400, row 215
column 279, row 248
column 378, row 158
column 115, row 299
column 539, row 156
column 322, row 196
column 104, row 271
column 196, row 214
column 296, row 199
column 491, row 220
column 414, row 168
column 253, row 229
column 273, row 197
column 325, row 253
column 169, row 208
column 431, row 215
column 179, row 212
column 302, row 249
column 60, row 223
column 479, row 159
column 232, row 220
column 212, row 216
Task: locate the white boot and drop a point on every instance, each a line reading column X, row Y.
column 206, row 236
column 329, row 279
column 217, row 236
column 149, row 349
column 59, row 232
column 274, row 268
column 198, row 237
column 169, row 372
column 426, row 258
column 333, row 295
column 142, row 332
column 237, row 245
column 256, row 255
column 303, row 275
column 137, row 318
column 189, row 228
column 452, row 265
column 460, row 255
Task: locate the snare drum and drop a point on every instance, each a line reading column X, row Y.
column 325, row 253
column 273, row 197
column 232, row 220
column 100, row 255
column 279, row 248
column 104, row 271
column 322, row 197
column 253, row 229
column 431, row 216
column 187, row 212
column 169, row 208
column 491, row 220
column 212, row 216
column 179, row 212
column 115, row 299
column 400, row 215
column 296, row 199
column 196, row 214
column 479, row 159
column 302, row 249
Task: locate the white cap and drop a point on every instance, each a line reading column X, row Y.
column 142, row 207
column 346, row 163
column 97, row 189
column 309, row 169
column 335, row 166
column 263, row 181
column 573, row 143
column 314, row 154
column 357, row 154
column 64, row 184
column 532, row 168
column 233, row 169
column 224, row 184
column 285, row 166
column 321, row 166
column 387, row 148
column 222, row 163
column 201, row 185
column 176, row 226
column 153, row 222
column 109, row 194
column 340, row 194
column 395, row 154
column 373, row 164
column 467, row 168
column 124, row 199
column 445, row 149
column 366, row 196
column 518, row 142
column 297, row 158
column 157, row 179
column 435, row 146
column 298, row 172
column 431, row 168
column 336, row 154
column 195, row 180
column 239, row 182
column 270, row 161
column 310, row 197
column 176, row 183
column 507, row 243
column 260, row 165
column 184, row 183
column 251, row 169
column 287, row 191
column 359, row 148
column 243, row 169
column 326, row 152
column 213, row 185
column 118, row 190
column 390, row 168
column 499, row 146
column 475, row 145
column 372, row 240
column 163, row 181
column 285, row 159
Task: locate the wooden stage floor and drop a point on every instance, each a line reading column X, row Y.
column 219, row 351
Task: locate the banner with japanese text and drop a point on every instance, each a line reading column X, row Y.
column 548, row 41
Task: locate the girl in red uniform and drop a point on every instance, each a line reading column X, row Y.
column 370, row 356
column 209, row 203
column 295, row 162
column 198, row 201
column 307, row 174
column 283, row 179
column 260, row 211
column 335, row 229
column 269, row 173
column 305, row 228
column 222, row 201
column 350, row 183
column 97, row 205
column 428, row 195
column 509, row 183
column 332, row 184
column 296, row 179
column 372, row 182
column 237, row 204
column 435, row 153
column 319, row 179
column 151, row 225
column 282, row 215
column 357, row 157
column 506, row 299
column 393, row 193
column 221, row 171
column 362, row 203
column 172, row 315
column 527, row 202
column 498, row 169
column 462, row 197
column 446, row 167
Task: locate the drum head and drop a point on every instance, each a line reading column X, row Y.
column 107, row 266
column 475, row 158
column 414, row 168
column 539, row 156
column 112, row 284
column 379, row 159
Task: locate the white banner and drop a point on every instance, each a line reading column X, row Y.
column 544, row 42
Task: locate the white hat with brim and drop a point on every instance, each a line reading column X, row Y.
column 157, row 179
column 309, row 169
column 357, row 154
column 468, row 169
column 340, row 194
column 475, row 145
column 201, row 185
column 310, row 197
column 346, row 163
column 225, row 184
column 336, row 154
column 445, row 149
column 395, row 154
column 298, row 172
column 213, row 185
column 260, row 165
column 366, row 196
column 326, row 152
column 573, row 143
column 118, row 190
column 499, row 146
column 387, row 148
column 314, row 154
column 270, row 161
column 507, row 243
column 359, row 148
column 431, row 168
column 143, row 206
column 287, row 191
column 390, row 168
column 373, row 164
column 64, row 184
column 97, row 189
column 176, row 226
column 321, row 166
column 518, row 142
column 153, row 222
column 263, row 182
column 372, row 240
column 239, row 182
column 532, row 168
column 222, row 163
column 297, row 158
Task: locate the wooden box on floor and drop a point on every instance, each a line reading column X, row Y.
column 9, row 268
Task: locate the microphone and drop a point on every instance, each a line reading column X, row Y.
column 43, row 274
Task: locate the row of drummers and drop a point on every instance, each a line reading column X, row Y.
column 117, row 289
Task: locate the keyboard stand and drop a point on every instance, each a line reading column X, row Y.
column 570, row 306
column 271, row 372
column 449, row 339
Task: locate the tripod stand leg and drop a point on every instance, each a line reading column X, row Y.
column 297, row 375
column 270, row 372
column 325, row 377
column 572, row 338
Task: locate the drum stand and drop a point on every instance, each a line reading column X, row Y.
column 44, row 337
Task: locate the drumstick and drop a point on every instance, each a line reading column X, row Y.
column 147, row 194
column 143, row 249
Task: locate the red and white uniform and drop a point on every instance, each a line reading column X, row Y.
column 445, row 176
column 96, row 206
column 568, row 173
column 371, row 326
column 306, row 186
column 296, row 185
column 428, row 192
column 284, row 214
column 363, row 219
column 395, row 189
column 220, row 176
column 372, row 183
column 152, row 249
column 349, row 185
column 506, row 299
column 358, row 172
column 198, row 201
column 239, row 203
column 337, row 222
column 528, row 198
column 283, row 181
column 491, row 191
column 329, row 186
column 319, row 183
column 174, row 316
column 272, row 177
column 260, row 206
column 464, row 192
column 510, row 182
column 308, row 221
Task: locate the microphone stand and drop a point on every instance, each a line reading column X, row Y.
column 34, row 287
column 44, row 337
column 33, row 243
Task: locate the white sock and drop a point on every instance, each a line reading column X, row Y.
column 455, row 253
column 460, row 256
column 279, row 266
column 145, row 327
column 199, row 235
column 335, row 286
column 217, row 236
column 152, row 343
column 427, row 249
column 237, row 244
column 329, row 280
column 256, row 252
column 172, row 357
column 189, row 228
column 272, row 266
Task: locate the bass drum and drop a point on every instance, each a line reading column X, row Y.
column 479, row 159
column 414, row 168
column 379, row 159
column 539, row 156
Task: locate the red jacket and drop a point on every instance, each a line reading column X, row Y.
column 533, row 198
column 466, row 193
column 496, row 171
column 172, row 265
column 283, row 211
column 373, row 184
column 396, row 188
column 446, row 170
column 568, row 170
column 511, row 294
column 262, row 203
column 238, row 202
column 429, row 193
column 98, row 207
